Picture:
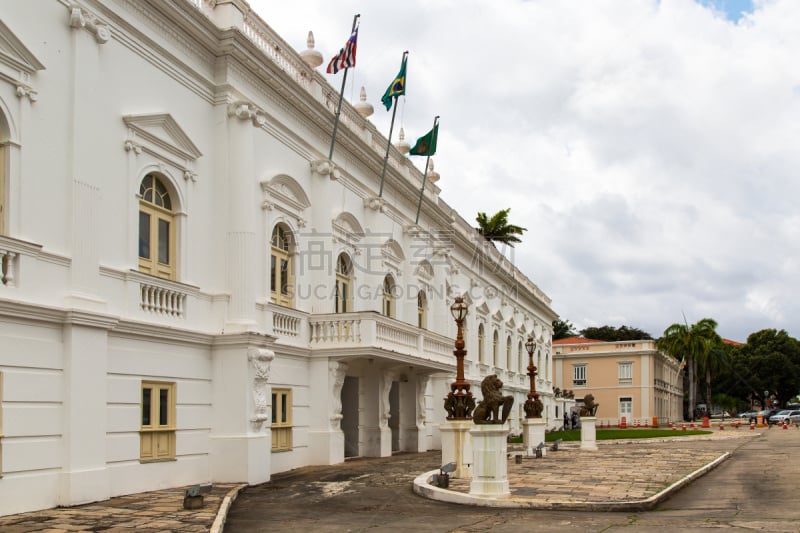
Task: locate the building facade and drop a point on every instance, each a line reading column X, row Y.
column 628, row 379
column 191, row 290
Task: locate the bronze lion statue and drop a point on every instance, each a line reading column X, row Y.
column 589, row 408
column 488, row 409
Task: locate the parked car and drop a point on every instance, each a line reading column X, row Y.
column 782, row 416
column 748, row 415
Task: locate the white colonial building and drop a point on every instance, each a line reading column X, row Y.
column 190, row 290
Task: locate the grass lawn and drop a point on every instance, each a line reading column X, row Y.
column 611, row 434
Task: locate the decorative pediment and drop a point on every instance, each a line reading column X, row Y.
column 286, row 190
column 160, row 132
column 346, row 228
column 16, row 55
column 498, row 316
column 483, row 308
column 393, row 255
column 511, row 324
column 424, row 270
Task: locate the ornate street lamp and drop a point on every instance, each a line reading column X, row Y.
column 459, row 402
column 533, row 405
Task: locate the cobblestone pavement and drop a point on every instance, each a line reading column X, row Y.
column 375, row 494
column 160, row 510
column 620, row 472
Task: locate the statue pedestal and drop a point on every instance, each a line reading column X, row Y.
column 457, row 446
column 588, row 433
column 532, row 433
column 490, row 465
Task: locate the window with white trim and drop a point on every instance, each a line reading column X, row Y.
column 579, row 374
column 156, row 228
column 480, row 343
column 388, row 296
column 625, row 371
column 495, row 342
column 280, row 281
column 344, row 282
column 422, row 306
column 1, row 424
column 3, row 148
column 157, row 430
column 508, row 354
column 281, row 420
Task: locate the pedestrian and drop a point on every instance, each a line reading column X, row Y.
column 574, row 420
column 566, row 421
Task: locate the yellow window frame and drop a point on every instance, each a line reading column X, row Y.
column 280, row 252
column 157, row 439
column 281, row 420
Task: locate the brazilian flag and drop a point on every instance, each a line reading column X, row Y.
column 426, row 145
column 397, row 87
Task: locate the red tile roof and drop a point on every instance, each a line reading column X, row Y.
column 576, row 340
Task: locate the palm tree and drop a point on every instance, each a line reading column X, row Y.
column 498, row 229
column 693, row 345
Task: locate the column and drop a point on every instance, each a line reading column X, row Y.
column 326, row 439
column 242, row 260
column 84, row 476
column 240, row 440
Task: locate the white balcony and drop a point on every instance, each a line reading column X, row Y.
column 373, row 330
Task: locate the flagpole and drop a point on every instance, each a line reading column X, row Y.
column 341, row 96
column 389, row 142
column 425, row 175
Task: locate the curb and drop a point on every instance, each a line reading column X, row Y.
column 422, row 487
column 224, row 507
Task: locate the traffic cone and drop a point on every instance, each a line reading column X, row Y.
column 645, row 424
column 721, row 426
column 683, row 426
column 674, row 427
column 692, row 426
column 785, row 426
column 752, row 426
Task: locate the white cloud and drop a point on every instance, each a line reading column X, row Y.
column 649, row 146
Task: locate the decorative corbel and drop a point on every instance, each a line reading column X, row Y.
column 79, row 18
column 260, row 360
column 32, row 95
column 325, row 167
column 131, row 146
column 375, row 203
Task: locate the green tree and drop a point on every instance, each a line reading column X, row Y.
column 563, row 329
column 498, row 229
column 773, row 360
column 611, row 333
column 690, row 344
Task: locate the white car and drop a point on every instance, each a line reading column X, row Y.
column 784, row 416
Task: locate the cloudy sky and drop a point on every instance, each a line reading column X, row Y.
column 650, row 147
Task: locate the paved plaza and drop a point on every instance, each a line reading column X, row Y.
column 375, row 494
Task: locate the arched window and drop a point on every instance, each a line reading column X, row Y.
column 480, row 343
column 388, row 296
column 495, row 356
column 344, row 283
column 3, row 149
column 280, row 284
column 522, row 359
column 509, row 366
column 422, row 304
column 156, row 228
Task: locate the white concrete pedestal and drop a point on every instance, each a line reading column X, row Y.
column 457, row 446
column 588, row 433
column 532, row 433
column 490, row 465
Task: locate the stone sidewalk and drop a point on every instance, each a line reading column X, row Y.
column 160, row 510
column 621, row 475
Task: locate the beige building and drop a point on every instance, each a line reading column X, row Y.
column 629, row 379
